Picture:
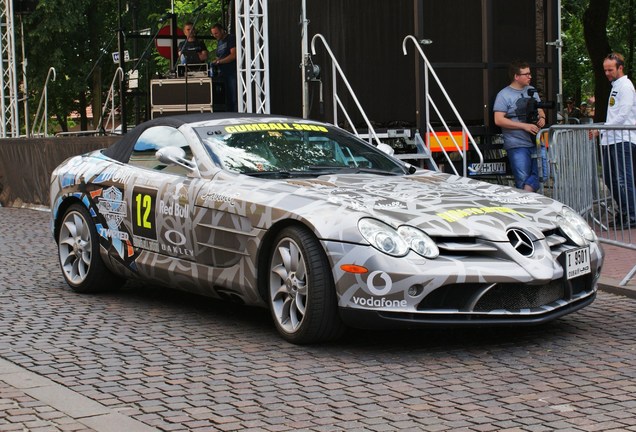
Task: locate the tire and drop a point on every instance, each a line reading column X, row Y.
column 301, row 292
column 78, row 251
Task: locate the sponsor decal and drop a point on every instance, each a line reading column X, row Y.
column 381, row 302
column 115, row 174
column 114, row 234
column 379, row 284
column 455, row 215
column 112, row 206
column 176, row 250
column 252, row 127
column 173, row 209
column 176, row 239
column 218, row 197
column 143, row 243
column 390, row 205
column 371, row 284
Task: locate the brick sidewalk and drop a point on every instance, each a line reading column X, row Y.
column 162, row 360
column 619, row 261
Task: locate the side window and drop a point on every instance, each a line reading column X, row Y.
column 153, row 139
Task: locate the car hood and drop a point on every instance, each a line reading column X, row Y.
column 440, row 204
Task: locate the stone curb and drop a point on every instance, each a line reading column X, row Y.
column 86, row 411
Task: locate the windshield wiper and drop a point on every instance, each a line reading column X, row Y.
column 272, row 174
column 352, row 170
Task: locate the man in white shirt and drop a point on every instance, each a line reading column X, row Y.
column 619, row 146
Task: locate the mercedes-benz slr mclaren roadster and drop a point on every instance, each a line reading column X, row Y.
column 322, row 228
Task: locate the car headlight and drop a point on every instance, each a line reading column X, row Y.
column 419, row 242
column 397, row 242
column 575, row 227
column 383, row 237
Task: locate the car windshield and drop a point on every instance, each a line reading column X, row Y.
column 280, row 150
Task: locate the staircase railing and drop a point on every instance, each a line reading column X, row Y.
column 336, row 71
column 110, row 97
column 44, row 101
column 431, row 134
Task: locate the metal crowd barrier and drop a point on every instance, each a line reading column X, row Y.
column 595, row 180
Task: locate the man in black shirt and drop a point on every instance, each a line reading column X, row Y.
column 226, row 62
column 192, row 50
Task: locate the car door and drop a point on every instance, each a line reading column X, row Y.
column 162, row 199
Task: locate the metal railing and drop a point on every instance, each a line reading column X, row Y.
column 44, row 100
column 431, row 134
column 336, row 71
column 597, row 179
column 110, row 97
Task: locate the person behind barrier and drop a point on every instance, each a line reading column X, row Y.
column 226, row 62
column 192, row 50
column 619, row 146
column 517, row 115
column 572, row 111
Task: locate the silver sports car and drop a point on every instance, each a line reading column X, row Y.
column 322, row 228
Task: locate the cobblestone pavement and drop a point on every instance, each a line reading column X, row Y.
column 147, row 358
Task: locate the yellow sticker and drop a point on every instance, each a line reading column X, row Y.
column 457, row 214
column 253, row 127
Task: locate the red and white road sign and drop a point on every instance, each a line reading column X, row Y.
column 163, row 42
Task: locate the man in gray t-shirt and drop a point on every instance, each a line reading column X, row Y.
column 516, row 118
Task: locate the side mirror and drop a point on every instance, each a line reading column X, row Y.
column 174, row 156
column 386, row 149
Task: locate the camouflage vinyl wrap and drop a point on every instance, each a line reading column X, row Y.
column 206, row 234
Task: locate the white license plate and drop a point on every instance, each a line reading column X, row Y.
column 487, row 168
column 577, row 262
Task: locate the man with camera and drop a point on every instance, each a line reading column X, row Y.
column 518, row 112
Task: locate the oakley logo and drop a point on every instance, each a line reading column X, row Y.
column 521, row 242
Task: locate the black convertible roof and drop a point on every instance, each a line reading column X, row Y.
column 123, row 148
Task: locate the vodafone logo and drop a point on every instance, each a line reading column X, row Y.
column 379, row 283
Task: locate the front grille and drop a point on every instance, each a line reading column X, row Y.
column 510, row 297
column 517, row 296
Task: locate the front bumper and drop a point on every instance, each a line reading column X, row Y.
column 458, row 290
column 382, row 319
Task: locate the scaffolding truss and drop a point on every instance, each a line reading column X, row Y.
column 252, row 56
column 8, row 73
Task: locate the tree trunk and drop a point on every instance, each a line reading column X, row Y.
column 63, row 121
column 598, row 47
column 82, row 111
column 96, row 100
column 630, row 39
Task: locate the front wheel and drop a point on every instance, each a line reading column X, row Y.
column 301, row 291
column 78, row 250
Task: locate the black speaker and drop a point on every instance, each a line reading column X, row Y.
column 197, row 91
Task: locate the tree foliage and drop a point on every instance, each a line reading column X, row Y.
column 78, row 37
column 591, row 30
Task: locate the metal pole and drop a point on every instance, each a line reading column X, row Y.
column 24, row 81
column 122, row 65
column 305, row 57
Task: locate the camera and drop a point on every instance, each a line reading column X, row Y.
column 532, row 107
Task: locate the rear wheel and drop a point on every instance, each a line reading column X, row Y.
column 301, row 291
column 78, row 250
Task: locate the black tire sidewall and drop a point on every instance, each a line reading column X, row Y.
column 99, row 278
column 321, row 321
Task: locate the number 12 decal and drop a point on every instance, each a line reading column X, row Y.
column 144, row 202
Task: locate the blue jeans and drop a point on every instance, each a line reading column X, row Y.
column 231, row 101
column 618, row 169
column 523, row 163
